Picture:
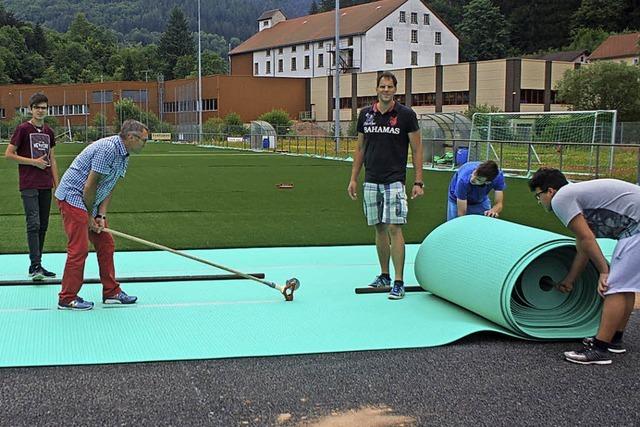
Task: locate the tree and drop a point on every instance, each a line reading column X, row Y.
column 175, row 42
column 603, row 85
column 605, row 14
column 313, row 9
column 279, row 119
column 587, row 38
column 538, row 25
column 484, row 32
column 128, row 69
column 185, row 65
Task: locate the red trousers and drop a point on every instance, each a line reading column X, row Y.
column 76, row 226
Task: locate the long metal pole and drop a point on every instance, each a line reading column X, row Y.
column 337, row 80
column 199, row 79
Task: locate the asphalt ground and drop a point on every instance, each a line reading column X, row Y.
column 484, row 379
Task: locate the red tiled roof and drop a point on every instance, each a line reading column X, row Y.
column 321, row 26
column 617, row 46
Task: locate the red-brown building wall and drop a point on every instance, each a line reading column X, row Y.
column 242, row 64
column 246, row 95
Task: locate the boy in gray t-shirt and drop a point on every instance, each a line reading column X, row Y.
column 600, row 208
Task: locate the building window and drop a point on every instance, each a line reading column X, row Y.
column 306, row 46
column 265, row 23
column 293, row 48
column 414, row 57
column 536, row 96
column 455, row 98
column 438, row 36
column 320, row 60
column 306, row 62
column 280, row 51
column 345, row 103
column 210, row 104
column 268, row 52
column 389, row 34
column 256, row 69
column 102, row 96
column 268, row 71
column 414, row 18
column 437, row 59
column 350, row 41
column 280, row 65
column 389, row 57
column 2, row 113
column 414, row 36
column 422, row 99
column 294, row 65
column 425, row 19
column 135, row 95
column 403, row 16
column 321, row 44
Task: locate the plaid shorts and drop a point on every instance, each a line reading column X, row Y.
column 385, row 203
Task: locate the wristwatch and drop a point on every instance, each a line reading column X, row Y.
column 101, row 216
column 419, row 184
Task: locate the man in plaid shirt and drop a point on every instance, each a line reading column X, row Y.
column 83, row 198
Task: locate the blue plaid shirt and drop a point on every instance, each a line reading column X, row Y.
column 108, row 157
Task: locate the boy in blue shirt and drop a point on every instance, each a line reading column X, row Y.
column 470, row 187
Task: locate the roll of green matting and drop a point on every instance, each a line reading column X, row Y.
column 502, row 271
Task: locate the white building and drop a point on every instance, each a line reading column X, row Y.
column 382, row 35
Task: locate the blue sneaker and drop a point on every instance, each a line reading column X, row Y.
column 120, row 298
column 380, row 282
column 77, row 304
column 397, row 292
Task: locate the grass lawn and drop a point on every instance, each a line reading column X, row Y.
column 184, row 197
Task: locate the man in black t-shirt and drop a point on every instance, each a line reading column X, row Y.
column 385, row 131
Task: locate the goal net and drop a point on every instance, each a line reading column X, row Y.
column 503, row 137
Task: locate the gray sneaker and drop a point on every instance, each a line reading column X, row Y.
column 616, row 347
column 36, row 273
column 380, row 282
column 588, row 355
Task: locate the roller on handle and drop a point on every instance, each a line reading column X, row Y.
column 286, row 290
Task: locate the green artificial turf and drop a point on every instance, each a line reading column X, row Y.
column 184, row 196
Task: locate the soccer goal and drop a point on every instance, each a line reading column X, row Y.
column 500, row 136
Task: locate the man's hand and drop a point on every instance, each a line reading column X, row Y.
column 565, row 286
column 351, row 190
column 417, row 191
column 491, row 213
column 602, row 284
column 96, row 225
column 41, row 162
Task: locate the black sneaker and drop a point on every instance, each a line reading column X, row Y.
column 616, row 347
column 48, row 274
column 588, row 355
column 36, row 273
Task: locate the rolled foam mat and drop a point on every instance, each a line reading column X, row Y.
column 501, row 271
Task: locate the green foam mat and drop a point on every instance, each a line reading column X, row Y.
column 238, row 318
column 497, row 269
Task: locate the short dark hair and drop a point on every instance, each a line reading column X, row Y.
column 387, row 75
column 38, row 98
column 546, row 178
column 488, row 169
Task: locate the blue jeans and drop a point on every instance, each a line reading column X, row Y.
column 37, row 204
column 475, row 209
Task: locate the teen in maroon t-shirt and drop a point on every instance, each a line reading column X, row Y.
column 32, row 147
